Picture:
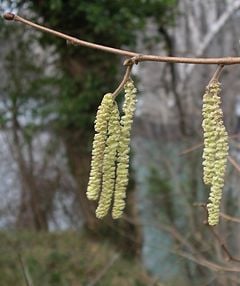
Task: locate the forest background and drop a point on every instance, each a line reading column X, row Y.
column 50, row 91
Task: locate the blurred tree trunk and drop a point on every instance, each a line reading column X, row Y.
column 32, row 213
column 79, row 162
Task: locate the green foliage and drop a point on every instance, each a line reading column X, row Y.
column 20, row 87
column 76, row 98
column 88, row 74
column 105, row 21
column 157, row 184
column 63, row 259
column 161, row 191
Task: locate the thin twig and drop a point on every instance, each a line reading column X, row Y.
column 225, row 249
column 197, row 146
column 216, row 75
column 193, row 254
column 125, row 79
column 155, row 282
column 230, row 257
column 230, row 218
column 136, row 57
column 234, row 163
column 25, row 271
column 11, row 16
column 190, row 149
column 106, row 268
column 210, row 265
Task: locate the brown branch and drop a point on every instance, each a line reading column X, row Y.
column 73, row 40
column 105, row 269
column 194, row 255
column 190, row 149
column 217, row 73
column 210, row 265
column 125, row 79
column 220, row 241
column 23, row 267
column 234, row 163
column 25, row 271
column 197, row 146
column 223, row 246
column 230, row 218
column 135, row 57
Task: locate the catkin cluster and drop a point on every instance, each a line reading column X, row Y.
column 215, row 149
column 110, row 156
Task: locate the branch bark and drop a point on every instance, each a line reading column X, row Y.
column 135, row 57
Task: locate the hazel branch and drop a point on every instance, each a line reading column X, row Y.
column 217, row 236
column 124, row 80
column 217, row 74
column 135, row 57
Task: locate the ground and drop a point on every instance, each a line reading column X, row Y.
column 64, row 259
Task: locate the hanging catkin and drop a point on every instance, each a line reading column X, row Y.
column 110, row 156
column 123, row 150
column 211, row 115
column 99, row 142
column 109, row 163
column 215, row 149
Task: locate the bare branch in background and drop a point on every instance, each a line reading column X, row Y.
column 25, row 271
column 103, row 272
column 214, row 30
column 218, row 237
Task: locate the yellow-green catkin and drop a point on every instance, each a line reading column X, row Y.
column 211, row 114
column 123, row 150
column 99, row 142
column 218, row 179
column 215, row 149
column 109, row 163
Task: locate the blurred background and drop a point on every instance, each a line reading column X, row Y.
column 49, row 94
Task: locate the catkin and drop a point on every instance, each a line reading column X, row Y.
column 123, row 150
column 218, row 179
column 211, row 114
column 109, row 163
column 99, row 142
column 110, row 156
column 215, row 149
